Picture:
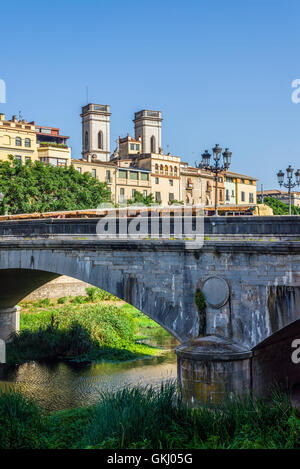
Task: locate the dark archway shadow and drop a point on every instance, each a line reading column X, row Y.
column 272, row 362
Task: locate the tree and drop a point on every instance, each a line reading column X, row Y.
column 141, row 199
column 280, row 208
column 35, row 187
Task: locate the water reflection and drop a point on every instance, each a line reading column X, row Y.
column 62, row 385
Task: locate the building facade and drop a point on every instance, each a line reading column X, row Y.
column 138, row 164
column 17, row 138
column 240, row 189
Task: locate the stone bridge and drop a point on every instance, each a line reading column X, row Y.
column 248, row 270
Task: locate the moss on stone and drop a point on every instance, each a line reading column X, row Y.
column 201, row 306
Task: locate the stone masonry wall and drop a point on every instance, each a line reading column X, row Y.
column 61, row 286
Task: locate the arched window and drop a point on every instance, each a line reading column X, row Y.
column 175, row 169
column 86, row 140
column 166, row 169
column 27, row 142
column 18, row 142
column 153, row 144
column 161, row 168
column 100, row 140
column 171, row 169
column 156, row 168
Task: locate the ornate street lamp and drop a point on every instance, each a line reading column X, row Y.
column 289, row 184
column 215, row 166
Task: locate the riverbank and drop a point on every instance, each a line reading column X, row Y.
column 88, row 328
column 138, row 418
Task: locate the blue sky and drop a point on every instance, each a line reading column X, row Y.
column 220, row 72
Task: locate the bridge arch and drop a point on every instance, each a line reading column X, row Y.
column 23, row 271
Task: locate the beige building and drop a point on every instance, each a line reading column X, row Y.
column 240, row 189
column 17, row 138
column 198, row 186
column 29, row 142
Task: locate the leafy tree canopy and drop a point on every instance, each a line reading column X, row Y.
column 35, row 187
column 141, row 199
column 280, row 208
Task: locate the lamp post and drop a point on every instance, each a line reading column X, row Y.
column 215, row 166
column 289, row 184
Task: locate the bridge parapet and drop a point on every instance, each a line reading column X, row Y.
column 214, row 228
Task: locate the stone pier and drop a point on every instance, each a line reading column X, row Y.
column 9, row 322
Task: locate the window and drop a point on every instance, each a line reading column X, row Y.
column 157, row 197
column 122, row 194
column 175, row 169
column 132, row 146
column 144, row 177
column 171, row 182
column 133, row 175
column 227, row 194
column 79, row 170
column 94, row 173
column 156, row 168
column 133, row 192
column 18, row 157
column 243, row 196
column 61, row 162
column 232, row 193
column 27, row 159
column 171, row 196
column 220, row 179
column 86, row 140
column 108, row 176
column 220, row 194
column 27, row 142
column 144, row 193
column 18, row 142
column 251, row 198
column 122, row 174
column 137, row 147
column 100, row 140
column 153, row 144
column 156, row 180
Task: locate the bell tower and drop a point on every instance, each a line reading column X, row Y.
column 147, row 125
column 95, row 132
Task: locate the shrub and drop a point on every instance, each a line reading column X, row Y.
column 96, row 294
column 43, row 302
column 62, row 300
column 78, row 300
column 21, row 422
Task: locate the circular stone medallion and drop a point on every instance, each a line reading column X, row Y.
column 215, row 291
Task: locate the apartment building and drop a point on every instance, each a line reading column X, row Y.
column 17, row 138
column 137, row 164
column 240, row 189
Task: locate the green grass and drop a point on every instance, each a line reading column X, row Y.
column 139, row 418
column 79, row 330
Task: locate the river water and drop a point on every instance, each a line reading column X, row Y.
column 63, row 385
